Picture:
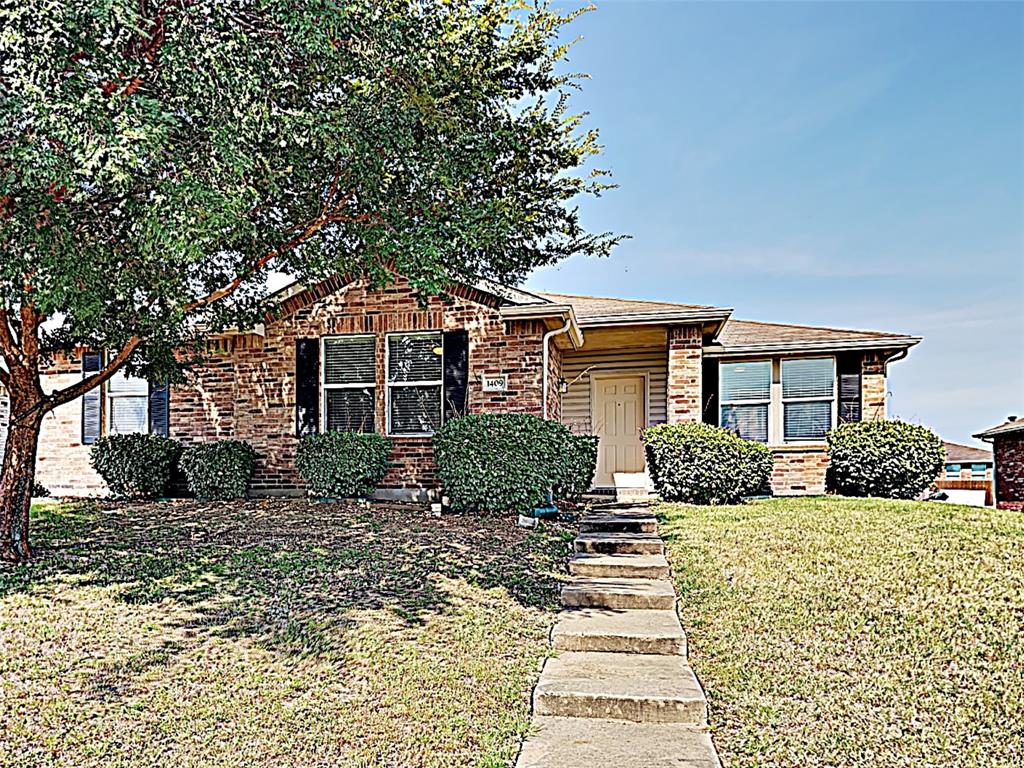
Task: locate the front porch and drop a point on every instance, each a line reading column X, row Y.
column 786, row 393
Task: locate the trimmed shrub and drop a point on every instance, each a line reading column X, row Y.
column 343, row 464
column 509, row 462
column 704, row 464
column 135, row 466
column 218, row 470
column 888, row 459
column 575, row 465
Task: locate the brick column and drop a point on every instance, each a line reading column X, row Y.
column 872, row 388
column 684, row 373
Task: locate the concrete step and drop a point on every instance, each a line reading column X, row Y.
column 620, row 543
column 624, row 521
column 642, row 594
column 620, row 631
column 619, row 566
column 621, row 686
column 570, row 742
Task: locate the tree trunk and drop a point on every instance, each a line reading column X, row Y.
column 16, row 479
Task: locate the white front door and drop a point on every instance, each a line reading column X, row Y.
column 618, row 416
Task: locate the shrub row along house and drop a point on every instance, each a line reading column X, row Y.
column 343, row 356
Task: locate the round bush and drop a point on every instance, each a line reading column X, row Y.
column 704, row 464
column 343, row 464
column 135, row 466
column 888, row 459
column 218, row 470
column 509, row 462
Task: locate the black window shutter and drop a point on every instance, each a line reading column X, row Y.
column 849, row 388
column 709, row 391
column 307, row 386
column 456, row 373
column 159, row 409
column 92, row 401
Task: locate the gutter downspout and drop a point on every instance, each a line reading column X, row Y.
column 544, row 377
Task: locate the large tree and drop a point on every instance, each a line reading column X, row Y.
column 159, row 157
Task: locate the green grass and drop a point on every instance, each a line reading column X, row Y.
column 275, row 633
column 840, row 632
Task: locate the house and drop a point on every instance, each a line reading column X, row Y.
column 340, row 355
column 966, row 477
column 965, row 462
column 1008, row 449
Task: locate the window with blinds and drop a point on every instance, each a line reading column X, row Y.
column 808, row 397
column 127, row 405
column 745, row 391
column 349, row 376
column 415, row 378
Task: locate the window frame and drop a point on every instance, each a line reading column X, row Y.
column 722, row 403
column 388, row 384
column 324, row 386
column 783, row 400
column 106, row 427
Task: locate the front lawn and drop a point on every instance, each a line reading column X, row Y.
column 272, row 633
column 840, row 632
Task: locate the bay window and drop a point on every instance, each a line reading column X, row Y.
column 415, row 380
column 746, row 394
column 349, row 373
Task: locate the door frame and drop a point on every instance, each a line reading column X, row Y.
column 624, row 373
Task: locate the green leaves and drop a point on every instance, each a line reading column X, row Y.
column 218, row 470
column 153, row 153
column 509, row 462
column 889, row 459
column 135, row 466
column 704, row 464
column 343, row 464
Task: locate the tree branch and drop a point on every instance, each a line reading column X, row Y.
column 328, row 214
column 66, row 395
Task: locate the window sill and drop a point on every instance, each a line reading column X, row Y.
column 796, row 447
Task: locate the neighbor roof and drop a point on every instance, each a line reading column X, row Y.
column 749, row 336
column 1011, row 425
column 958, row 454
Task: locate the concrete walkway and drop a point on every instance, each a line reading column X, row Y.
column 619, row 693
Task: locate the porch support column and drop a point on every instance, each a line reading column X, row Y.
column 872, row 387
column 684, row 373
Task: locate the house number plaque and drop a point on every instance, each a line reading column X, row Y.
column 495, row 382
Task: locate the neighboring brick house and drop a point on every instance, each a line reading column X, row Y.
column 1008, row 450
column 342, row 356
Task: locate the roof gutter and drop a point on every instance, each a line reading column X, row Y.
column 657, row 318
column 547, row 354
column 902, row 343
column 563, row 312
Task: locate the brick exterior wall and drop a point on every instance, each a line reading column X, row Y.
column 246, row 388
column 62, row 463
column 1009, row 456
column 684, row 373
column 799, row 470
column 872, row 388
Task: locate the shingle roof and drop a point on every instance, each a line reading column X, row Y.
column 1007, row 427
column 752, row 335
column 601, row 310
column 958, row 453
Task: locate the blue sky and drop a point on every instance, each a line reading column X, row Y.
column 858, row 165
